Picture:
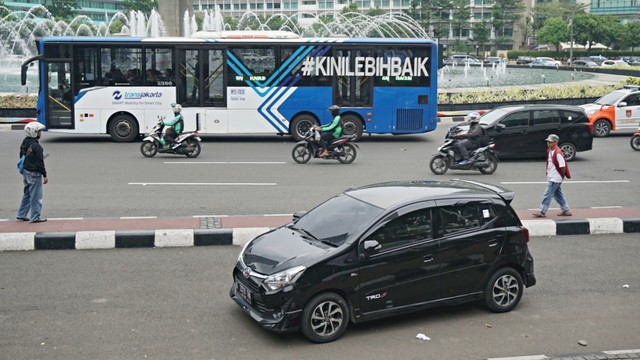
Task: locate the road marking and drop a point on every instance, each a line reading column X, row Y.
column 209, row 216
column 65, row 219
column 227, row 162
column 137, row 217
column 565, row 182
column 205, row 184
column 607, row 207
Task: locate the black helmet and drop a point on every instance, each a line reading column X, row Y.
column 334, row 109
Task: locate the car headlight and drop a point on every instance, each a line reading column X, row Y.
column 284, row 278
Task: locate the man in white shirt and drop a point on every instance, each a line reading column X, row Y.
column 557, row 170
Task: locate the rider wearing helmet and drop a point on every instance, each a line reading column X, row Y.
column 34, row 173
column 330, row 131
column 173, row 127
column 473, row 139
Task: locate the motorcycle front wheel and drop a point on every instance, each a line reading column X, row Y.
column 439, row 165
column 301, row 154
column 346, row 153
column 149, row 148
column 635, row 143
column 492, row 165
column 194, row 148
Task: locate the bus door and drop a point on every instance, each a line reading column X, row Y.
column 355, row 89
column 202, row 85
column 59, row 96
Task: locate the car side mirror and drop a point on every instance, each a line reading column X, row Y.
column 298, row 214
column 499, row 127
column 622, row 104
column 371, row 246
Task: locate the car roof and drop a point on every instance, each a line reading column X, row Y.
column 392, row 194
column 539, row 106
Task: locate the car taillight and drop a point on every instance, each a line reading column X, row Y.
column 525, row 232
column 590, row 127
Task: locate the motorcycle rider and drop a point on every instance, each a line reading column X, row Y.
column 330, row 131
column 473, row 139
column 172, row 127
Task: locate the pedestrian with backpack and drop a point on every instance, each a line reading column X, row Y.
column 34, row 174
column 557, row 170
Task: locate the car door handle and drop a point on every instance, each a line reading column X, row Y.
column 493, row 243
column 427, row 258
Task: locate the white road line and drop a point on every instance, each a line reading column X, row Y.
column 226, row 162
column 58, row 219
column 607, row 207
column 568, row 182
column 205, row 184
column 137, row 217
column 617, row 352
column 207, row 216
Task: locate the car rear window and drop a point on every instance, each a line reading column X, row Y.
column 574, row 117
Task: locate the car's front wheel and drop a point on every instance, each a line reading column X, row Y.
column 325, row 318
column 601, row 128
column 504, row 290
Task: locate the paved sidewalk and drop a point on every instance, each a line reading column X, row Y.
column 107, row 233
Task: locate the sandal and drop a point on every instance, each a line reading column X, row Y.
column 565, row 213
column 539, row 214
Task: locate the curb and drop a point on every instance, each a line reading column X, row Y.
column 83, row 240
column 604, row 355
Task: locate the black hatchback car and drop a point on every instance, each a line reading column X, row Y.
column 520, row 131
column 385, row 249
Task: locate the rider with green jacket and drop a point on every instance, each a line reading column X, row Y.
column 330, row 131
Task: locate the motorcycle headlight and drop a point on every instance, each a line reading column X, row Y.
column 283, row 279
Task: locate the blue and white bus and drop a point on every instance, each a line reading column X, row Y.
column 236, row 83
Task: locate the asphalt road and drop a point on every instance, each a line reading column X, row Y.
column 91, row 176
column 173, row 303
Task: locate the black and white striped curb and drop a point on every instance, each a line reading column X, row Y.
column 601, row 355
column 239, row 236
column 126, row 239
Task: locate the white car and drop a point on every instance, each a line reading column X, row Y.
column 548, row 59
column 610, row 63
column 618, row 110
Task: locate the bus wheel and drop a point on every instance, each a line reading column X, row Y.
column 123, row 128
column 351, row 124
column 300, row 125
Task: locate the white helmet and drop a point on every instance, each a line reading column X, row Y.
column 177, row 108
column 472, row 117
column 33, row 128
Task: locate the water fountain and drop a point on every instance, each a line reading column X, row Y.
column 18, row 31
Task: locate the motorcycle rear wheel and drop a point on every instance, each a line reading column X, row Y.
column 346, row 153
column 635, row 142
column 492, row 165
column 149, row 148
column 194, row 148
column 301, row 154
column 439, row 165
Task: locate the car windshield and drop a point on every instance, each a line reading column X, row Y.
column 610, row 98
column 493, row 115
column 338, row 219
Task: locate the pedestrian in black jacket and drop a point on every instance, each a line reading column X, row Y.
column 34, row 174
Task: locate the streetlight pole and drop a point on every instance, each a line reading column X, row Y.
column 573, row 14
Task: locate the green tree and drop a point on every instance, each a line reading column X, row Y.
column 461, row 13
column 376, row 11
column 631, row 34
column 414, row 10
column 555, row 30
column 139, row 5
column 590, row 29
column 506, row 14
column 481, row 33
column 62, row 9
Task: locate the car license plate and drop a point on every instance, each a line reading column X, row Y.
column 243, row 291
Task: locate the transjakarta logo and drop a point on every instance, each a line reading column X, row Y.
column 365, row 66
column 117, row 95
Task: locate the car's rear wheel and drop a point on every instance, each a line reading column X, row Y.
column 325, row 318
column 635, row 142
column 569, row 151
column 601, row 128
column 504, row 290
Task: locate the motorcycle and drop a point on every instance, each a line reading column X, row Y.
column 187, row 143
column 341, row 148
column 483, row 159
column 635, row 140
